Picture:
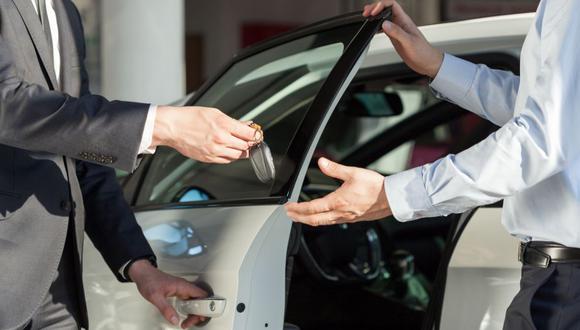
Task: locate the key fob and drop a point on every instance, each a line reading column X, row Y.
column 263, row 162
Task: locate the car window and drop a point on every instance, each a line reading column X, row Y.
column 273, row 88
column 448, row 138
column 346, row 133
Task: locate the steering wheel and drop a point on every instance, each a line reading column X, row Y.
column 340, row 254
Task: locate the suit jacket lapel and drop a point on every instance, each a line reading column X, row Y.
column 34, row 28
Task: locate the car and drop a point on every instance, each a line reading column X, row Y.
column 337, row 89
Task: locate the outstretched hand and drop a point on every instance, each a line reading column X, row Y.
column 361, row 197
column 408, row 41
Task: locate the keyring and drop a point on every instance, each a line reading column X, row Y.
column 258, row 134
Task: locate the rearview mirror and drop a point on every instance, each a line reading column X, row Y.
column 373, row 104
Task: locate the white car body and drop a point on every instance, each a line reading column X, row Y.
column 241, row 250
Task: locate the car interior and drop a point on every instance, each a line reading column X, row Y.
column 381, row 274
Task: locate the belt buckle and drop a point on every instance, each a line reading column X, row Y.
column 547, row 259
column 532, row 256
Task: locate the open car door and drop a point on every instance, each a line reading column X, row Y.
column 218, row 224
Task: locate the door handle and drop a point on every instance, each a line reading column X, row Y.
column 207, row 307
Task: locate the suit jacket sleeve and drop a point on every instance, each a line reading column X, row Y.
column 109, row 221
column 89, row 127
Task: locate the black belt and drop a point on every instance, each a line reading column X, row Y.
column 542, row 254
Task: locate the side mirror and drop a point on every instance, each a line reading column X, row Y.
column 373, row 104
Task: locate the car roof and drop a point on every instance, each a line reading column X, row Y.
column 498, row 33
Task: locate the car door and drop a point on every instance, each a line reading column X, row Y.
column 219, row 225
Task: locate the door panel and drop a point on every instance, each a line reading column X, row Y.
column 234, row 238
column 483, row 274
column 236, row 242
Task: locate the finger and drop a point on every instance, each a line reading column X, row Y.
column 367, row 9
column 322, row 219
column 218, row 160
column 186, row 291
column 319, row 205
column 403, row 20
column 242, row 131
column 334, row 170
column 378, row 8
column 235, row 143
column 394, row 32
column 229, row 153
column 165, row 308
column 191, row 321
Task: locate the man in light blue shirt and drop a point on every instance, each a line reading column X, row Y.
column 532, row 162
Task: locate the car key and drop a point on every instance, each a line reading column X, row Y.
column 261, row 157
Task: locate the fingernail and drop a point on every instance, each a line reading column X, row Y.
column 323, row 162
column 174, row 320
column 387, row 25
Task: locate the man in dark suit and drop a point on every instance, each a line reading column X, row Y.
column 55, row 138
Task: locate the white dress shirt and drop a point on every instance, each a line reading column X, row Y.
column 147, row 138
column 533, row 160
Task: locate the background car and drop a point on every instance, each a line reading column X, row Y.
column 335, row 89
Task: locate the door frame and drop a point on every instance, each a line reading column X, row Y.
column 323, row 104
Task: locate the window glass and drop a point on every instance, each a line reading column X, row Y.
column 273, row 88
column 345, row 133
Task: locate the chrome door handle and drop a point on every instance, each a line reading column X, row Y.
column 207, row 307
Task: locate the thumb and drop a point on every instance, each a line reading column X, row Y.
column 186, row 290
column 334, row 170
column 395, row 32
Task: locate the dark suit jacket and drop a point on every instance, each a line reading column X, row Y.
column 54, row 139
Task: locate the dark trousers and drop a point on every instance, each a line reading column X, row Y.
column 60, row 308
column 549, row 298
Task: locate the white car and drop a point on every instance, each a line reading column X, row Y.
column 336, row 88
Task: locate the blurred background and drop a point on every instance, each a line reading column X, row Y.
column 158, row 51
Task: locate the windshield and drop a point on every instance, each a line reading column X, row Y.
column 273, row 88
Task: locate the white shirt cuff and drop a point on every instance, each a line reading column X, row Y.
column 454, row 79
column 408, row 197
column 147, row 138
column 122, row 269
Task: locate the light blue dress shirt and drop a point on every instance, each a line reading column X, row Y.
column 533, row 160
